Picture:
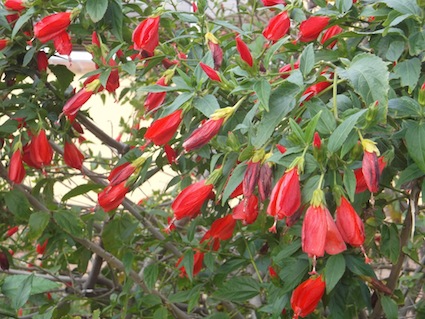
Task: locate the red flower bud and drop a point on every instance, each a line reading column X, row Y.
column 3, row 43
column 203, row 134
column 212, row 74
column 73, row 105
column 246, row 210
column 311, row 28
column 349, row 224
column 194, row 6
column 17, row 5
column 198, row 259
column 11, row 230
column 288, row 68
column 170, row 153
column 315, row 89
column 112, row 196
column 121, row 173
column 330, row 33
column 162, row 130
column 42, row 61
column 4, row 262
column 62, row 43
column 265, row 181
column 189, row 202
column 72, row 155
column 250, row 179
column 41, row 152
column 306, row 296
column 217, row 54
column 278, row 26
column 281, row 148
column 244, row 51
column 40, row 249
column 273, row 274
column 371, row 171
column 155, row 99
column 317, row 141
column 361, row 185
column 221, row 229
column 146, row 35
column 269, row 3
column 16, row 171
column 51, row 26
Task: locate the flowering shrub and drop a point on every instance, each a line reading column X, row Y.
column 295, row 134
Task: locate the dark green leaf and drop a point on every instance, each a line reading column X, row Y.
column 63, row 74
column 293, row 272
column 408, row 71
column 46, row 315
column 22, row 20
column 307, row 60
column 234, row 181
column 80, row 189
column 404, row 107
column 17, row 203
column 335, row 268
column 415, row 142
column 9, row 126
column 129, row 67
column 96, row 9
column 311, row 127
column 161, row 313
column 417, row 43
column 358, row 266
column 150, row 275
column 287, row 250
column 404, row 7
column 390, row 307
column 263, row 89
column 410, row 173
column 390, row 242
column 37, row 223
column 69, row 222
column 127, row 260
column 350, row 183
column 28, row 56
column 206, row 104
column 188, row 263
column 338, row 137
column 238, row 289
column 17, row 289
column 114, row 15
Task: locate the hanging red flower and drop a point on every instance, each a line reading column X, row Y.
column 198, row 259
column 155, row 99
column 349, row 224
column 212, row 74
column 244, row 51
column 311, row 28
column 306, row 296
column 72, row 155
column 146, row 35
column 278, row 26
column 17, row 5
column 221, row 229
column 162, row 130
column 246, row 210
column 41, row 152
column 62, row 43
column 203, row 134
column 51, row 26
column 112, row 196
column 16, row 171
column 330, row 33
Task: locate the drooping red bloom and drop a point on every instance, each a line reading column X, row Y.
column 11, row 230
column 278, row 26
column 319, row 233
column 371, row 171
column 4, row 262
column 361, row 185
column 162, row 130
column 221, row 229
column 17, row 5
column 212, row 74
column 286, row 197
column 41, row 152
column 3, row 43
column 288, row 68
column 269, row 3
column 74, row 104
column 251, row 176
column 237, row 191
column 306, row 296
column 190, row 200
column 72, row 155
column 170, row 153
column 42, row 61
column 311, row 28
column 51, row 26
column 27, row 157
column 146, row 35
column 203, row 134
column 113, row 82
column 349, row 224
column 217, row 54
column 112, row 196
column 315, row 89
column 194, row 7
column 265, row 181
column 244, row 51
column 155, row 99
column 121, row 173
column 40, row 249
column 198, row 259
column 16, row 171
column 62, row 43
column 317, row 141
column 246, row 210
column 330, row 33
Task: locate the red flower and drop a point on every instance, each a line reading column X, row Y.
column 272, row 272
column 146, row 36
column 361, row 185
column 3, row 43
column 281, row 148
column 330, row 33
column 121, row 173
column 269, row 3
column 244, row 51
column 288, row 68
column 311, row 28
column 62, row 43
column 278, row 26
column 334, row 243
column 162, row 130
column 155, row 99
column 265, row 181
column 194, row 6
column 4, row 262
column 72, row 155
column 41, row 152
column 286, row 197
column 113, row 82
column 371, row 171
column 16, row 168
column 251, row 176
column 26, row 157
column 40, row 249
column 51, row 26
column 246, row 210
column 11, row 230
column 17, row 5
column 112, row 196
column 315, row 89
column 203, row 134
column 42, row 61
column 73, row 105
column 217, row 54
column 221, row 229
column 317, row 141
column 198, row 259
column 349, row 224
column 212, row 74
column 237, row 191
column 189, row 202
column 306, row 296
column 170, row 153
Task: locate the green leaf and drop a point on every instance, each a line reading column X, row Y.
column 81, row 189
column 263, row 89
column 417, row 43
column 238, row 289
column 28, row 56
column 350, row 183
column 338, row 137
column 150, row 275
column 161, row 313
column 357, row 266
column 415, row 142
column 410, row 173
column 282, row 101
column 129, row 67
column 369, row 77
column 96, row 9
column 311, row 127
column 48, row 314
column 335, row 268
column 37, row 223
column 344, row 5
column 404, row 107
column 17, row 289
column 307, row 60
column 22, row 20
column 287, row 250
column 114, row 15
column 63, row 74
column 293, row 272
column 404, row 7
column 188, row 263
column 390, row 307
column 9, row 126
column 409, row 71
column 127, row 260
column 178, row 101
column 390, row 242
column 207, row 104
column 17, row 204
column 69, row 222
column 234, row 181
